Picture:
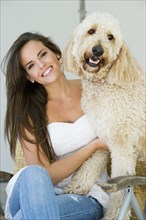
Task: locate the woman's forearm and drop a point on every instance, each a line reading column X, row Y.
column 61, row 169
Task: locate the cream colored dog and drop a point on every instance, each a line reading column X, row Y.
column 113, row 97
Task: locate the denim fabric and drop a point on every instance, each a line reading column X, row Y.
column 78, row 207
column 33, row 198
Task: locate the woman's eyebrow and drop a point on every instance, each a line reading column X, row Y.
column 39, row 52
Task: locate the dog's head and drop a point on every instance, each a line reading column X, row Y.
column 95, row 47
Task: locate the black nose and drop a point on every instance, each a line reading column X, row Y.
column 97, row 50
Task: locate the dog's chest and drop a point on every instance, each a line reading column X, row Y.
column 97, row 100
column 106, row 105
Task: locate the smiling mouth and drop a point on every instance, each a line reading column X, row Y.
column 46, row 73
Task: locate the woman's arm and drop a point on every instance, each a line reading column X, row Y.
column 61, row 169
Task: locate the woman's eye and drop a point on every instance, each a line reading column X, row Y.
column 30, row 66
column 43, row 54
column 110, row 37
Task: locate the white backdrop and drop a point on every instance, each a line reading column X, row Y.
column 58, row 19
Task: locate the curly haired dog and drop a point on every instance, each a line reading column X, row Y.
column 113, row 97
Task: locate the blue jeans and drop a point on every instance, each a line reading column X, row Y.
column 33, row 197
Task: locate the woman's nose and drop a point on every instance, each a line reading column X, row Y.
column 41, row 64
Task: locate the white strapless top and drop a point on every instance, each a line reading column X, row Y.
column 69, row 137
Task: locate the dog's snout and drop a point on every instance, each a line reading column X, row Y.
column 97, row 50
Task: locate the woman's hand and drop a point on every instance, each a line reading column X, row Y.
column 99, row 144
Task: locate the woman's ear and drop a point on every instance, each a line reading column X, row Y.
column 30, row 79
column 58, row 57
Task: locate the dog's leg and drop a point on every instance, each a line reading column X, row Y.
column 115, row 202
column 123, row 163
column 88, row 173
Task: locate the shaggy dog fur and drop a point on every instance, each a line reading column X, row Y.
column 113, row 97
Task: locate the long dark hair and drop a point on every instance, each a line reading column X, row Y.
column 26, row 101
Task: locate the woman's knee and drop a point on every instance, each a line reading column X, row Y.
column 35, row 173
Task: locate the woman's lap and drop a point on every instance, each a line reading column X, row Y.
column 69, row 206
column 78, row 207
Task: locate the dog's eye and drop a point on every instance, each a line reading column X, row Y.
column 110, row 37
column 91, row 31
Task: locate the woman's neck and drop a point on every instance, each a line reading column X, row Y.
column 64, row 101
column 59, row 89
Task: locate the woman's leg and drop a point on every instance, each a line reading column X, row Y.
column 33, row 196
column 78, row 207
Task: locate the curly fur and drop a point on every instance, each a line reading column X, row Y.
column 113, row 97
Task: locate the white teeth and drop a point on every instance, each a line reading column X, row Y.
column 47, row 72
column 92, row 61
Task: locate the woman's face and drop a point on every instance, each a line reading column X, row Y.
column 40, row 63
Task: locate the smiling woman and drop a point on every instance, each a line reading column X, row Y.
column 25, row 60
column 39, row 97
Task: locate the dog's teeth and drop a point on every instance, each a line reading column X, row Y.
column 92, row 61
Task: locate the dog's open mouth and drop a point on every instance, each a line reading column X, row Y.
column 94, row 61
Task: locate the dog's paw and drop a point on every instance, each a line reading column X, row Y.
column 77, row 189
column 109, row 217
column 114, row 205
column 115, row 216
column 84, row 179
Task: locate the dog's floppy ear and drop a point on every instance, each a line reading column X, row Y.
column 68, row 61
column 125, row 68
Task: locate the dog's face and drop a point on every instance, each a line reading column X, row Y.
column 95, row 44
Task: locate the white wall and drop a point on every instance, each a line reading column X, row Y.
column 58, row 19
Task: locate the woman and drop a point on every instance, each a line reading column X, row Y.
column 44, row 113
